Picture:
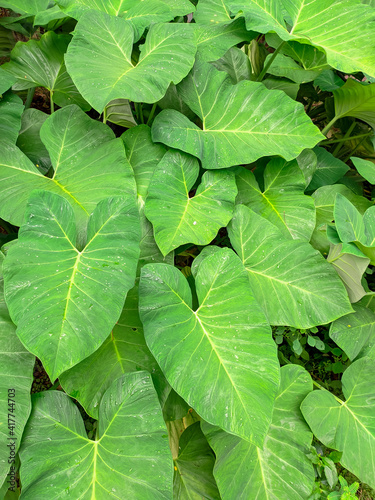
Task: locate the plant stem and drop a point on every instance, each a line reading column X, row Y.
column 152, row 112
column 354, row 150
column 270, row 61
column 324, row 389
column 327, row 127
column 138, row 110
column 105, row 115
column 334, row 141
column 346, row 136
column 29, row 98
column 51, row 102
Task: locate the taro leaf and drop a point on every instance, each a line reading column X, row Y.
column 357, row 100
column 124, row 351
column 291, row 89
column 328, row 81
column 50, row 14
column 6, row 80
column 291, row 281
column 141, row 14
column 339, row 28
column 16, row 375
column 211, row 12
column 29, row 140
column 172, row 100
column 280, row 470
column 348, row 426
column 130, row 457
column 355, row 333
column 214, row 40
column 225, row 344
column 240, row 122
column 11, row 108
column 307, row 162
column 366, row 168
column 236, row 63
column 40, row 63
column 285, row 66
column 282, row 201
column 31, row 7
column 89, row 165
column 177, row 218
column 103, row 70
column 349, row 222
column 71, row 299
column 193, row 478
column 119, row 112
column 7, row 43
column 329, row 169
column 324, row 198
column 350, row 268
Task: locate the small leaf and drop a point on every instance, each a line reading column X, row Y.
column 366, row 168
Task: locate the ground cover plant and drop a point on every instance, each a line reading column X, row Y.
column 188, row 238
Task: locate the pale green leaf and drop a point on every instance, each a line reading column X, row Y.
column 291, row 281
column 225, row 345
column 119, row 112
column 348, row 426
column 236, row 63
column 285, row 66
column 178, row 218
column 357, row 100
column 366, row 168
column 280, row 470
column 211, row 12
column 129, row 458
column 71, row 299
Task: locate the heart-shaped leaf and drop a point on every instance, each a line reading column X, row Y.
column 366, row 168
column 225, row 343
column 130, row 457
column 71, row 299
column 236, row 63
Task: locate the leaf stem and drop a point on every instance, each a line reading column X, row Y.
column 30, row 97
column 139, row 113
column 343, row 139
column 346, row 136
column 354, row 150
column 327, row 127
column 52, row 104
column 152, row 112
column 270, row 61
column 324, row 389
column 105, row 115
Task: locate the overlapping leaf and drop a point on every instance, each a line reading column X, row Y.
column 282, row 201
column 178, row 218
column 220, row 358
column 280, row 470
column 240, row 123
column 65, row 302
column 11, row 109
column 329, row 169
column 99, row 59
column 291, row 281
column 130, row 457
column 29, row 140
column 236, row 63
column 348, row 426
column 357, row 100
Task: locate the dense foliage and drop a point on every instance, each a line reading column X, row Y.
column 188, row 239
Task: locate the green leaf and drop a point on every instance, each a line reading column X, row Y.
column 177, row 218
column 348, row 426
column 307, row 162
column 211, row 12
column 31, row 7
column 103, row 70
column 40, row 63
column 282, row 201
column 52, row 13
column 366, row 168
column 332, row 27
column 6, row 80
column 225, row 343
column 124, row 351
column 328, row 81
column 291, row 89
column 73, row 298
column 356, row 100
column 280, row 470
column 349, row 222
column 291, row 281
column 119, row 112
column 193, row 478
column 236, row 64
column 129, row 459
column 355, row 333
column 329, row 169
column 350, row 267
column 11, row 108
column 16, row 378
column 240, row 122
column 89, row 165
column 29, row 140
column 7, row 42
column 283, row 65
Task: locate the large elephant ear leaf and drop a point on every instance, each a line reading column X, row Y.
column 280, row 470
column 166, row 56
column 89, row 165
column 130, row 457
column 292, row 282
column 240, row 123
column 16, row 376
column 339, row 28
column 11, row 108
column 225, row 345
column 51, row 287
column 348, row 426
column 178, row 218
